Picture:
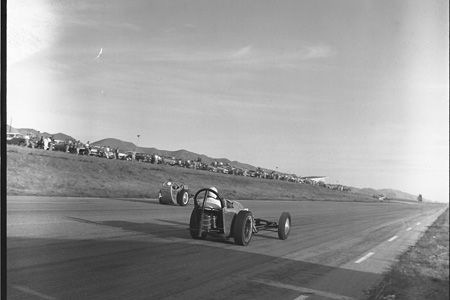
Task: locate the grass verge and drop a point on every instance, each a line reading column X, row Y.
column 422, row 273
column 37, row 172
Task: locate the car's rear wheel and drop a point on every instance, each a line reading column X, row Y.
column 243, row 228
column 284, row 226
column 194, row 225
column 182, row 197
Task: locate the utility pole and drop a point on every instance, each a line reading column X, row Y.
column 137, row 145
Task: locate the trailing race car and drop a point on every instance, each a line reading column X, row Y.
column 174, row 193
column 216, row 216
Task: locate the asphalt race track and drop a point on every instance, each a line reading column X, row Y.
column 86, row 248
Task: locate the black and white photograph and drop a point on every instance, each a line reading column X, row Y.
column 225, row 149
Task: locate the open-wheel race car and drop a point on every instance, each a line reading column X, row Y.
column 174, row 193
column 216, row 216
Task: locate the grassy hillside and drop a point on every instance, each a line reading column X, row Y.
column 391, row 193
column 179, row 154
column 47, row 173
column 58, row 136
column 185, row 155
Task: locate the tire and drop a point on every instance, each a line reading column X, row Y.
column 284, row 226
column 194, row 227
column 243, row 228
column 183, row 198
column 22, row 144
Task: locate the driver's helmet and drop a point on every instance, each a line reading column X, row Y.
column 211, row 194
column 212, row 201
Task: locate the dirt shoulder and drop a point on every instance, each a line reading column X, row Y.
column 423, row 271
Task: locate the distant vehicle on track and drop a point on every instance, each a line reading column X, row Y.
column 174, row 193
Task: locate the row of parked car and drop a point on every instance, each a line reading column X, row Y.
column 217, row 167
column 57, row 145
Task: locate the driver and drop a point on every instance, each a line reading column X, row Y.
column 213, row 202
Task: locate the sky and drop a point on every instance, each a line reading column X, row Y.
column 354, row 90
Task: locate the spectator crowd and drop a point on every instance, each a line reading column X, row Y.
column 76, row 147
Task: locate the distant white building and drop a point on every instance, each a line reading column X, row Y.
column 316, row 179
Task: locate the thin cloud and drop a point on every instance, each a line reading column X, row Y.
column 132, row 27
column 318, row 51
column 242, row 52
column 247, row 56
column 284, row 58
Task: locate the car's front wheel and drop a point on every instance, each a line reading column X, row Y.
column 284, row 226
column 243, row 228
column 183, row 198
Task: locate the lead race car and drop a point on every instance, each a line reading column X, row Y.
column 174, row 193
column 216, row 216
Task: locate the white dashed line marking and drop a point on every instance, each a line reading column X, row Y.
column 302, row 290
column 392, row 238
column 408, row 229
column 32, row 292
column 364, row 257
column 418, row 223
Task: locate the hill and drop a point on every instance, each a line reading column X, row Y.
column 10, row 129
column 50, row 173
column 391, row 193
column 57, row 136
column 115, row 143
column 179, row 154
column 128, row 146
column 184, row 154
